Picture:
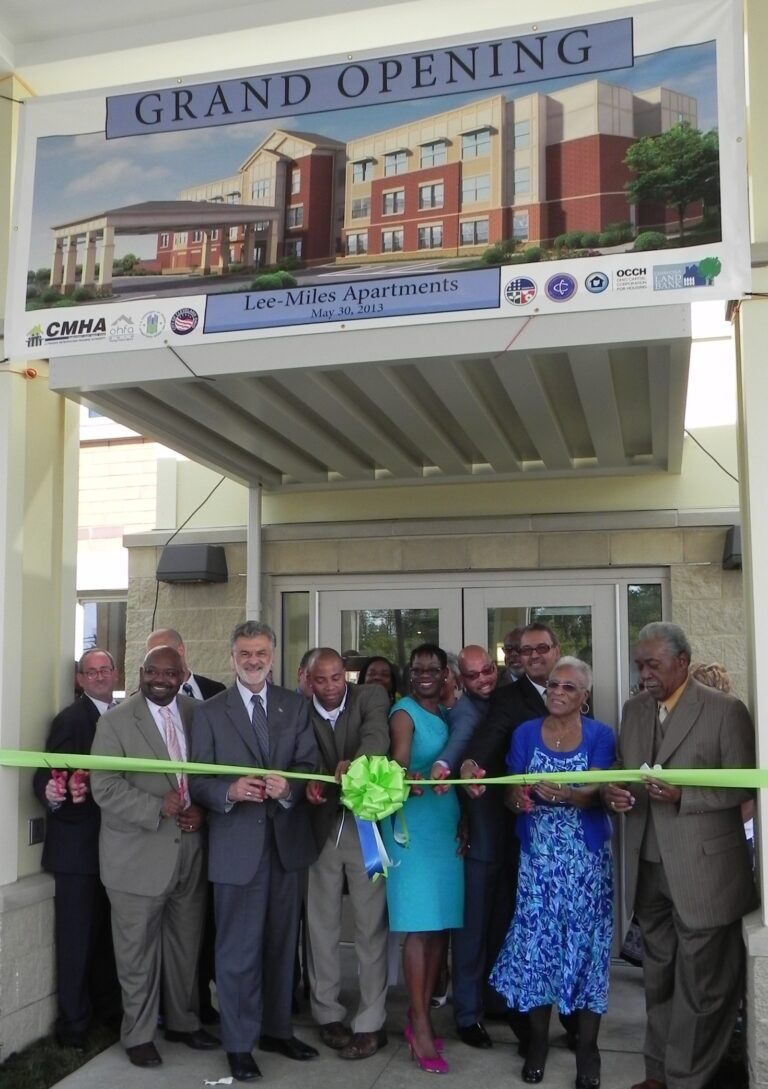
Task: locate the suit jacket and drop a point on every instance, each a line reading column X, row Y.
column 72, row 831
column 222, row 734
column 701, row 841
column 362, row 729
column 138, row 848
column 207, row 686
column 492, row 835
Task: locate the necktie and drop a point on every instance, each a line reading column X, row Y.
column 663, row 712
column 259, row 723
column 188, row 690
column 174, row 750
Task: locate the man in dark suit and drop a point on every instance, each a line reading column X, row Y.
column 688, row 870
column 348, row 721
column 494, row 850
column 480, row 678
column 193, row 684
column 151, row 852
column 260, row 845
column 85, row 963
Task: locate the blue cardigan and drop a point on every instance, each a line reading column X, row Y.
column 599, row 743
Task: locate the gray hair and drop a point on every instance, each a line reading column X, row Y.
column 671, row 634
column 249, row 629
column 569, row 662
column 87, row 653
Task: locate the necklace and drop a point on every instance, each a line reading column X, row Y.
column 559, row 738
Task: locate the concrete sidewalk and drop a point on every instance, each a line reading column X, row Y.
column 621, row 1040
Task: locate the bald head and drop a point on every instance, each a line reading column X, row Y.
column 169, row 637
column 478, row 672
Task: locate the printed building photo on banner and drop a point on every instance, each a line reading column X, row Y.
column 573, row 168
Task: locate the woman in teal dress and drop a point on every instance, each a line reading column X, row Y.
column 425, row 886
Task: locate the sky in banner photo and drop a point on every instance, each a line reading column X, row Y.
column 81, row 175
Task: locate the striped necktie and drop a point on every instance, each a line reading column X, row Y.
column 173, row 746
column 260, row 728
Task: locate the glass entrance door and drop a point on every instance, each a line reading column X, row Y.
column 584, row 618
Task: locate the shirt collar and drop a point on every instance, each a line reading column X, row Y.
column 672, row 701
column 246, row 695
column 331, row 716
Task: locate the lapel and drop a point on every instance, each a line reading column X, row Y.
column 530, row 696
column 238, row 716
column 275, row 718
column 681, row 723
column 147, row 727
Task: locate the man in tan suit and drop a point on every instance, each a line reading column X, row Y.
column 688, row 870
column 349, row 721
column 151, row 856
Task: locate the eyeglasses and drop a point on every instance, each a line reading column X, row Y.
column 92, row 674
column 429, row 671
column 540, row 648
column 567, row 686
column 486, row 671
column 511, row 648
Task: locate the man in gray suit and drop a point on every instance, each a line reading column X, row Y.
column 260, row 844
column 688, row 871
column 349, row 721
column 151, row 856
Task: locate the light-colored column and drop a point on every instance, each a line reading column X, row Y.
column 70, row 267
column 253, row 555
column 57, row 263
column 107, row 257
column 224, row 251
column 205, row 253
column 88, row 273
column 248, row 245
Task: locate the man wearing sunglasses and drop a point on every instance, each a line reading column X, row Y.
column 494, row 847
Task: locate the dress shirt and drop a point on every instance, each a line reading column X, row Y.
column 331, row 717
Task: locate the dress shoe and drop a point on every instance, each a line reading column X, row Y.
column 335, row 1035
column 474, row 1035
column 364, row 1044
column 78, row 1041
column 242, row 1066
column 533, row 1074
column 291, row 1047
column 144, row 1055
column 650, row 1083
column 199, row 1040
column 585, row 1082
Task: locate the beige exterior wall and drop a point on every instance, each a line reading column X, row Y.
column 706, row 600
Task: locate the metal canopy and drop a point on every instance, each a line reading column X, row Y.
column 589, row 394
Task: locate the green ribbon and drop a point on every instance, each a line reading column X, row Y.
column 375, row 787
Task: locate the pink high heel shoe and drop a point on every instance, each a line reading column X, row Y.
column 438, row 1065
column 408, row 1034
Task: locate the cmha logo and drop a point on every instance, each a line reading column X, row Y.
column 76, row 329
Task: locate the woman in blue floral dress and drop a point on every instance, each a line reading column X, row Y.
column 558, row 946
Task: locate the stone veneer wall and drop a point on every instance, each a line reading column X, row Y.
column 27, row 975
column 706, row 600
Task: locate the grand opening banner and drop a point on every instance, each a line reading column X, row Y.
column 587, row 165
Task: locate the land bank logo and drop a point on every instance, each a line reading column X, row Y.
column 696, row 274
column 66, row 329
column 521, row 291
column 631, row 279
column 561, row 288
column 152, row 324
column 596, row 283
column 184, row 321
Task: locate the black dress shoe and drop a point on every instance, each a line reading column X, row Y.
column 291, row 1048
column 199, row 1040
column 78, row 1041
column 584, row 1082
column 242, row 1066
column 474, row 1035
column 533, row 1074
column 144, row 1055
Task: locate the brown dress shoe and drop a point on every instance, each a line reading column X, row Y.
column 650, row 1083
column 335, row 1035
column 363, row 1045
column 144, row 1055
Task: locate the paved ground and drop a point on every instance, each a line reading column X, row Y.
column 620, row 1042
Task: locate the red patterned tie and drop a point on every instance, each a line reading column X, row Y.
column 174, row 750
